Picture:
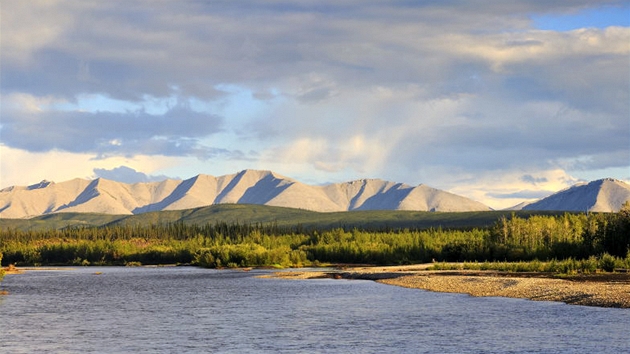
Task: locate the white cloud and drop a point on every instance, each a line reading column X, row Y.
column 21, row 168
column 355, row 153
column 127, row 175
column 504, row 189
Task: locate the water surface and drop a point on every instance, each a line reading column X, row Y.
column 193, row 310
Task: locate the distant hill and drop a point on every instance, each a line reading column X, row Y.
column 246, row 187
column 604, row 195
column 268, row 215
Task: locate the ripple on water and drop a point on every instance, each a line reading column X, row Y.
column 192, row 310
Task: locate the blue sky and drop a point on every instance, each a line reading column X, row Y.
column 597, row 17
column 501, row 103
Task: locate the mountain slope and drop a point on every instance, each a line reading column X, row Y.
column 604, row 195
column 246, row 187
column 269, row 215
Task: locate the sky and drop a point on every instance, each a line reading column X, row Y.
column 501, row 101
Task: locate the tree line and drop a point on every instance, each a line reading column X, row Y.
column 538, row 237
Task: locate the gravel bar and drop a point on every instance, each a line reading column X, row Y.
column 602, row 290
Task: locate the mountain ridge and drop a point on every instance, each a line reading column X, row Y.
column 263, row 187
column 245, row 187
column 602, row 195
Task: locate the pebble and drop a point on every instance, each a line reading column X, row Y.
column 602, row 294
column 575, row 292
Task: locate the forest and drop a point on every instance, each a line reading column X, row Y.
column 585, row 241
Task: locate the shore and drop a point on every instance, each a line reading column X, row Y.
column 602, row 289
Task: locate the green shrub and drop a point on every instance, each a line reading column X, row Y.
column 589, row 265
column 607, row 262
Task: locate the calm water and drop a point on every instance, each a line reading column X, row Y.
column 191, row 310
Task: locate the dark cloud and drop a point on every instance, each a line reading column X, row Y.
column 177, row 132
column 130, row 51
column 315, row 95
column 533, row 180
column 601, row 160
column 126, row 175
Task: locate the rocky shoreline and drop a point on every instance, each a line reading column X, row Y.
column 602, row 290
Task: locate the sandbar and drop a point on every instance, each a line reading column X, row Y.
column 600, row 289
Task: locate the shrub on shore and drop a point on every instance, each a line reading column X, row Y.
column 593, row 264
column 1, row 270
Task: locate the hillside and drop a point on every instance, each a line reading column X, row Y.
column 267, row 215
column 246, row 187
column 604, row 195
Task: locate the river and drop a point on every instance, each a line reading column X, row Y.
column 194, row 310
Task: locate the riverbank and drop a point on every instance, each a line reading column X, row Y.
column 11, row 269
column 602, row 289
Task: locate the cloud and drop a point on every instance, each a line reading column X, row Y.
column 506, row 188
column 98, row 48
column 526, row 194
column 126, row 175
column 355, row 153
column 415, row 92
column 533, row 180
column 177, row 132
column 598, row 160
column 21, row 168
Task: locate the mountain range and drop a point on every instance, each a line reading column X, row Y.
column 245, row 187
column 268, row 188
